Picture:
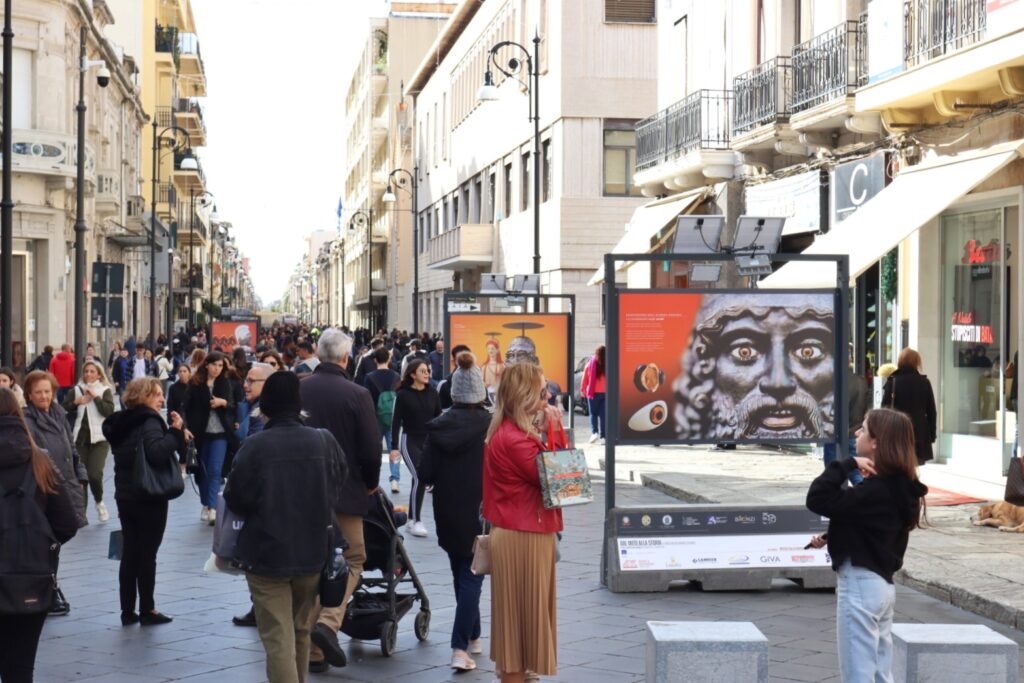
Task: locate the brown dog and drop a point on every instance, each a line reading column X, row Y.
column 1004, row 516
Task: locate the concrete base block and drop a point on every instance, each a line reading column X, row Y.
column 952, row 653
column 706, row 652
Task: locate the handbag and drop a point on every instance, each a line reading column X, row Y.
column 1014, row 492
column 158, row 481
column 563, row 473
column 226, row 530
column 481, row 564
column 191, row 458
column 115, row 545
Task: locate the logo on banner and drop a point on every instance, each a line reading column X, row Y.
column 745, row 519
column 704, row 560
column 718, row 519
column 666, row 520
column 739, row 559
column 691, row 521
column 645, row 520
column 802, row 559
column 768, row 518
column 626, row 522
column 770, row 559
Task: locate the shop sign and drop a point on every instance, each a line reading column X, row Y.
column 885, row 40
column 855, row 183
column 975, row 254
column 801, row 199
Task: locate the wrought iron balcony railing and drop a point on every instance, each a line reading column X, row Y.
column 829, row 66
column 762, row 95
column 166, row 194
column 699, row 121
column 932, row 28
column 167, row 41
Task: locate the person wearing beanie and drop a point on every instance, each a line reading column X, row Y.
column 284, row 479
column 452, row 461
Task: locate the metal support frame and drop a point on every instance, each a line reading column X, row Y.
column 7, row 202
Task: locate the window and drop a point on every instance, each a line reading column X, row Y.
column 507, row 199
column 455, row 209
column 428, row 150
column 23, row 85
column 433, row 149
column 447, row 214
column 466, row 207
column 444, row 125
column 478, row 190
column 524, row 182
column 435, row 229
column 492, row 196
column 620, row 162
column 630, row 11
column 424, row 230
column 545, row 179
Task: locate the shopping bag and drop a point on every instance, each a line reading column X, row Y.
column 115, row 545
column 481, row 555
column 226, row 531
column 564, row 478
column 1014, row 492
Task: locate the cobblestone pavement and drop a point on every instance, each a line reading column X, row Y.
column 601, row 634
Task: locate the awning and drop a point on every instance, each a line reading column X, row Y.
column 646, row 222
column 916, row 196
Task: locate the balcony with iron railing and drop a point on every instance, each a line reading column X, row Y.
column 189, row 114
column 761, row 98
column 166, row 41
column 932, row 28
column 829, row 66
column 191, row 58
column 194, row 176
column 166, row 195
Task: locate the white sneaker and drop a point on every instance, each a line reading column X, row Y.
column 594, row 437
column 462, row 661
column 394, row 486
column 101, row 510
column 476, row 647
column 204, row 516
column 417, row 529
column 213, row 516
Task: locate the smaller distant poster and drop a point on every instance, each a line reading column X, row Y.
column 226, row 335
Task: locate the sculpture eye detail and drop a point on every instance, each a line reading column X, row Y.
column 744, row 353
column 651, row 416
column 809, row 352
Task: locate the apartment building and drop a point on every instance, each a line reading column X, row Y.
column 45, row 92
column 889, row 131
column 597, row 65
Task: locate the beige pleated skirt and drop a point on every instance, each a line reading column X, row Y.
column 523, row 602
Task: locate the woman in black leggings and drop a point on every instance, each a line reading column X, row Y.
column 416, row 404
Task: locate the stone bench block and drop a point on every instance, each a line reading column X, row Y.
column 706, row 652
column 953, row 653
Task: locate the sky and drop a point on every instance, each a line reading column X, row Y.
column 275, row 157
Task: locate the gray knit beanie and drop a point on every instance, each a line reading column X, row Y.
column 467, row 381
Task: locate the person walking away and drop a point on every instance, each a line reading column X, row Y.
column 177, row 392
column 93, row 400
column 436, row 359
column 382, row 383
column 869, row 526
column 910, row 392
column 51, row 431
column 42, row 361
column 115, row 353
column 26, row 538
column 209, row 418
column 344, row 408
column 444, row 387
column 416, row 404
column 285, row 478
column 62, row 367
column 453, row 462
column 592, row 387
column 523, row 589
column 9, row 380
column 366, row 363
column 164, row 368
column 860, row 401
column 143, row 517
column 121, row 370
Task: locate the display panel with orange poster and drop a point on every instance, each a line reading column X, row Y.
column 497, row 339
column 747, row 366
column 231, row 333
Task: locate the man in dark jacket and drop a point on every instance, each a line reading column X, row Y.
column 436, row 358
column 337, row 404
column 42, row 361
column 284, row 479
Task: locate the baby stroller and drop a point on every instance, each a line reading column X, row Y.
column 374, row 614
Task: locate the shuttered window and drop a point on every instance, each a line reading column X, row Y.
column 630, row 11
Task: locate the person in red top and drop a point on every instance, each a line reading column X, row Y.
column 522, row 543
column 592, row 386
column 63, row 368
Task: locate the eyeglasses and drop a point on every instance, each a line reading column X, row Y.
column 253, row 381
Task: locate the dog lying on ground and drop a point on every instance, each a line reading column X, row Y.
column 1002, row 515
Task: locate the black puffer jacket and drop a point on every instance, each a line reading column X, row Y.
column 52, row 432
column 283, row 483
column 453, row 461
column 910, row 392
column 122, row 430
column 15, row 460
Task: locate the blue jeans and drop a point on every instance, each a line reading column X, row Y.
column 467, row 602
column 864, row 609
column 854, row 477
column 211, row 457
column 396, row 467
column 597, row 420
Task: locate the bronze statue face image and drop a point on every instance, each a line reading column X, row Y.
column 759, row 367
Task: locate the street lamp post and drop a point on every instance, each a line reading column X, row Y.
column 489, row 92
column 188, row 164
column 366, row 216
column 214, row 231
column 401, row 177
column 206, row 198
column 7, row 203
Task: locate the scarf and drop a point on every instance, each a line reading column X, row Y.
column 90, row 412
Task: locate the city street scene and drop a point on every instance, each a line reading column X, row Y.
column 635, row 341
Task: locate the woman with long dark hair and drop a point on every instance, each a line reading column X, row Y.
column 22, row 464
column 210, row 418
column 869, row 526
column 910, row 392
column 416, row 404
column 592, row 387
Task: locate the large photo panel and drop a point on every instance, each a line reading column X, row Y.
column 498, row 339
column 750, row 366
column 229, row 334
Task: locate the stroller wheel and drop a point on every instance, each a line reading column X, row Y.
column 421, row 626
column 388, row 636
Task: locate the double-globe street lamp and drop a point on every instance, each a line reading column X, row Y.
column 188, row 163
column 513, row 68
column 206, row 198
column 361, row 217
column 7, row 202
column 401, row 178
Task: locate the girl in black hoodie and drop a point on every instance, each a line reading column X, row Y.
column 869, row 526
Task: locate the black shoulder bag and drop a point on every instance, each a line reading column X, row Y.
column 158, row 481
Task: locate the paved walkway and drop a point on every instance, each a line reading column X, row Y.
column 601, row 634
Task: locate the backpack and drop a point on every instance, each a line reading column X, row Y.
column 28, row 552
column 385, row 408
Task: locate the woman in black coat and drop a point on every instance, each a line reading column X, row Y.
column 143, row 517
column 453, row 461
column 910, row 392
column 210, row 420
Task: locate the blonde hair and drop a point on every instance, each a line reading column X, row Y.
column 99, row 370
column 517, row 394
column 140, row 389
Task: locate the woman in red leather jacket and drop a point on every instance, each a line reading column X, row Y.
column 523, row 603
